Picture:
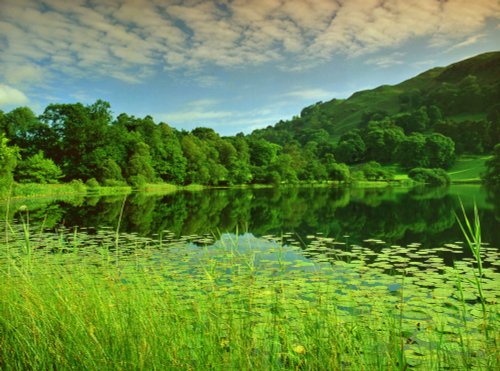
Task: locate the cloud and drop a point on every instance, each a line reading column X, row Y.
column 196, row 112
column 386, row 61
column 311, row 94
column 205, row 112
column 468, row 41
column 195, row 117
column 131, row 40
column 11, row 96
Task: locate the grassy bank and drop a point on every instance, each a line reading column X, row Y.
column 62, row 190
column 109, row 301
column 468, row 169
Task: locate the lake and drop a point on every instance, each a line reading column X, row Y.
column 373, row 217
column 281, row 278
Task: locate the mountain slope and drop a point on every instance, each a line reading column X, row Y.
column 463, row 90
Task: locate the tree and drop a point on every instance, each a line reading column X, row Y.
column 140, row 169
column 411, row 151
column 351, row 148
column 239, row 162
column 434, row 114
column 492, row 174
column 494, row 129
column 440, row 151
column 339, row 172
column 83, row 135
column 262, row 153
column 37, row 169
column 429, row 176
column 469, row 95
column 285, row 167
column 374, row 171
column 415, row 122
column 8, row 161
column 109, row 172
column 18, row 124
column 382, row 139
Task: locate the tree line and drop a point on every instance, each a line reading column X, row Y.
column 84, row 142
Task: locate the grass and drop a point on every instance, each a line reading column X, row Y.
column 70, row 300
column 46, row 190
column 468, row 169
column 62, row 190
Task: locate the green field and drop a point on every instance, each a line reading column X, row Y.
column 468, row 169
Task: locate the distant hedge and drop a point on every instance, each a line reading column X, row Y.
column 429, row 176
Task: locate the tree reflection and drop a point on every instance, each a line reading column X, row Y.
column 394, row 215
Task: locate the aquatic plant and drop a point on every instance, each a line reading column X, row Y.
column 100, row 299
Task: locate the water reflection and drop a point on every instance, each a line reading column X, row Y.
column 397, row 216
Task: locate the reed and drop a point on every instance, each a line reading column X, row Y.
column 79, row 302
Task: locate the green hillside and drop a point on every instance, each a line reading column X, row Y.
column 462, row 91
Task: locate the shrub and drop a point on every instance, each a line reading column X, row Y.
column 92, row 183
column 78, row 186
column 37, row 169
column 114, row 183
column 429, row 176
column 137, row 181
column 374, row 171
column 339, row 172
column 492, row 174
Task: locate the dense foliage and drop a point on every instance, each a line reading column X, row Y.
column 492, row 175
column 8, row 161
column 429, row 176
column 421, row 123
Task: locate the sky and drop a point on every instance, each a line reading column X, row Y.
column 233, row 65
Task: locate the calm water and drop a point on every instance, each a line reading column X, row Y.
column 394, row 216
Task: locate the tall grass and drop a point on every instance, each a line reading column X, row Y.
column 82, row 306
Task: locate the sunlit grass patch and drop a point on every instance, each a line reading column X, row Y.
column 468, row 169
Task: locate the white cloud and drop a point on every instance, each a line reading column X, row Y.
column 204, row 112
column 386, row 61
column 311, row 94
column 468, row 41
column 133, row 39
column 11, row 96
column 195, row 117
column 196, row 112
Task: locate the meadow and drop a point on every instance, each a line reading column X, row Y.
column 102, row 299
column 468, row 169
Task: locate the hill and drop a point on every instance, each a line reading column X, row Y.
column 466, row 90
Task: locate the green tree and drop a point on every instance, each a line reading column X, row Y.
column 139, row 169
column 351, row 148
column 411, row 151
column 83, row 135
column 262, row 152
column 493, row 135
column 440, row 151
column 429, row 176
column 415, row 122
column 20, row 125
column 374, row 171
column 285, row 167
column 172, row 163
column 37, row 169
column 339, row 172
column 238, row 161
column 492, row 173
column 8, row 161
column 469, row 97
column 382, row 139
column 109, row 172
